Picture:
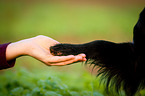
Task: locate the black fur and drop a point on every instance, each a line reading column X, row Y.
column 122, row 64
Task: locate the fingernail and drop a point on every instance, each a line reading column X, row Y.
column 84, row 55
column 84, row 59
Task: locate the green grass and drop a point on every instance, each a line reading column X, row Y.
column 49, row 83
column 65, row 23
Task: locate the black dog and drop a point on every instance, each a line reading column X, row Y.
column 122, row 64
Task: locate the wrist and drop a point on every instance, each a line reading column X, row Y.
column 15, row 50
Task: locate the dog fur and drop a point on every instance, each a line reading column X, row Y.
column 122, row 64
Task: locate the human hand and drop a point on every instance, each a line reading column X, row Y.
column 38, row 47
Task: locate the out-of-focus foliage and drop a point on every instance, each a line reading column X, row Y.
column 24, row 83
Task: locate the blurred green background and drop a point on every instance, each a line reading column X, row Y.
column 68, row 21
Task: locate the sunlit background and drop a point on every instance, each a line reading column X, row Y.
column 67, row 21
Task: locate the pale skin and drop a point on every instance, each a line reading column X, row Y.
column 38, row 48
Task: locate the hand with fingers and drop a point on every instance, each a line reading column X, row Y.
column 38, row 47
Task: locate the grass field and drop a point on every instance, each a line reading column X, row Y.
column 69, row 23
